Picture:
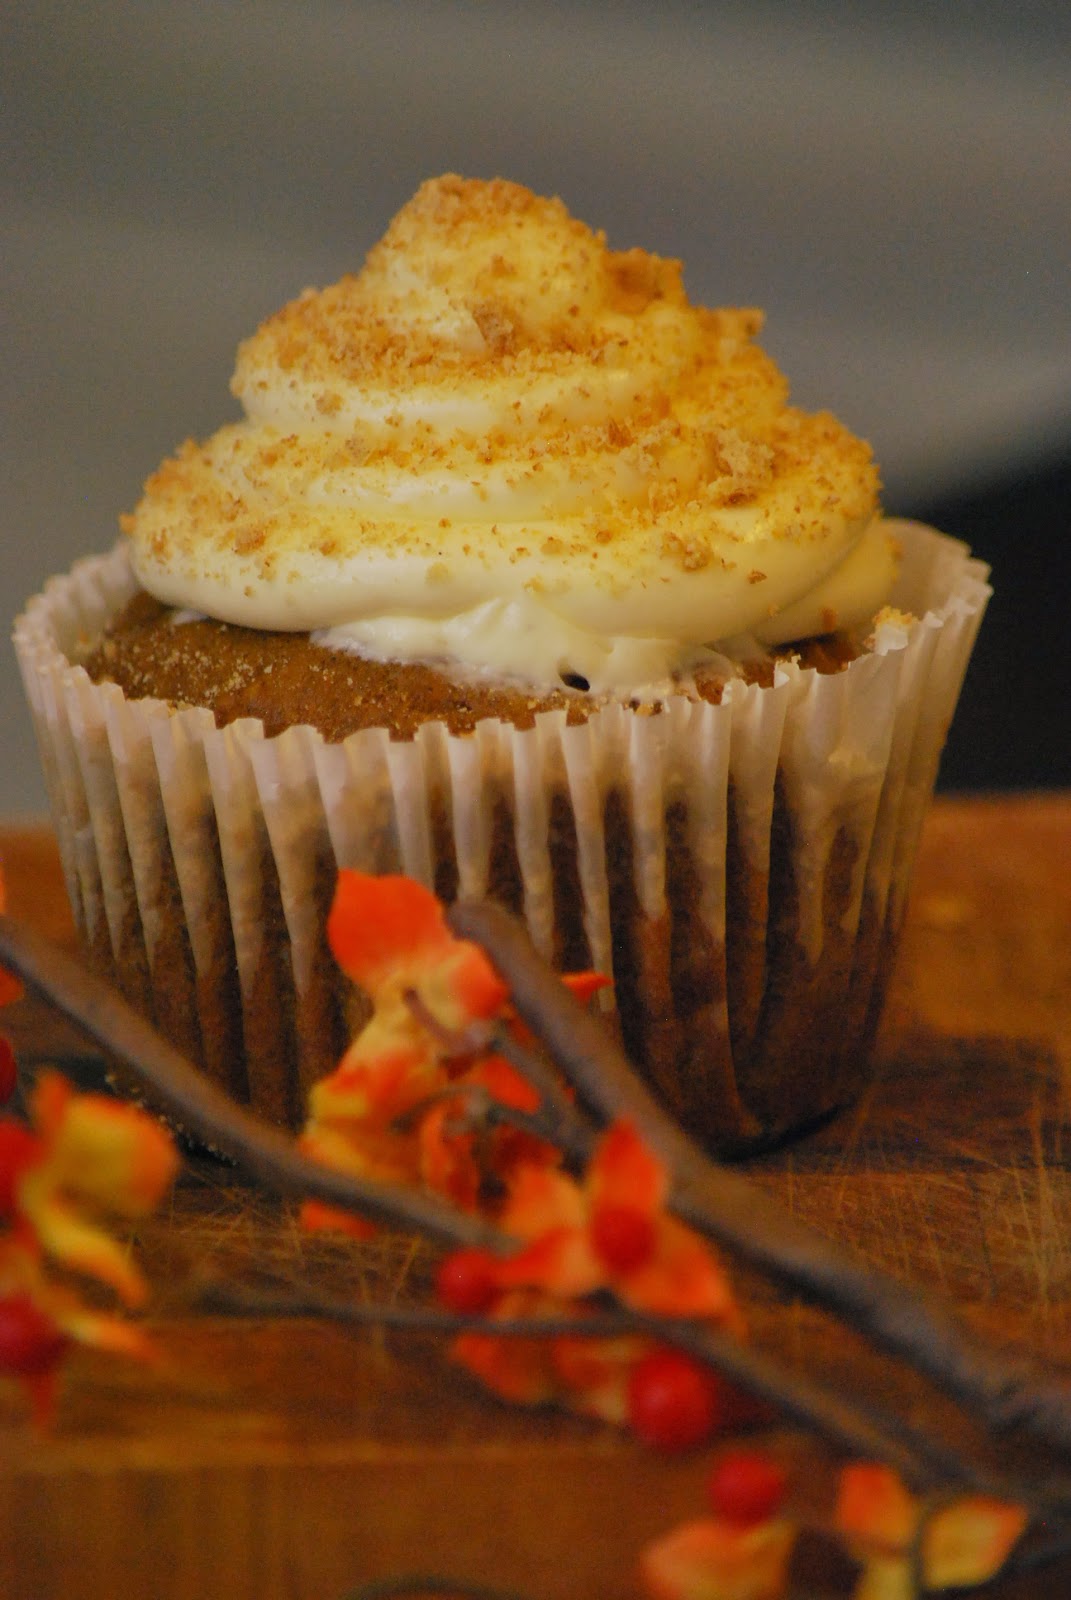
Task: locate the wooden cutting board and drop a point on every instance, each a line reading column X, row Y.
column 290, row 1460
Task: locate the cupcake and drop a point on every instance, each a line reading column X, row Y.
column 521, row 576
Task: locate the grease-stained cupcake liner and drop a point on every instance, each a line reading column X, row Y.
column 740, row 870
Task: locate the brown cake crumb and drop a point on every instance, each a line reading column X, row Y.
column 285, row 680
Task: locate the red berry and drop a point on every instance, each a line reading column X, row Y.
column 746, row 1487
column 30, row 1342
column 18, row 1150
column 467, row 1281
column 623, row 1236
column 674, row 1403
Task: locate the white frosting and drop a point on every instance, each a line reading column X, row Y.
column 491, row 638
column 507, row 448
column 851, row 594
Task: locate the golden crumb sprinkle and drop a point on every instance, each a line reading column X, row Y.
column 504, row 275
column 498, row 407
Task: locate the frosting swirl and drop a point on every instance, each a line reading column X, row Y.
column 504, row 445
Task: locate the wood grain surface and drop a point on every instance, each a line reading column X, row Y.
column 292, row 1460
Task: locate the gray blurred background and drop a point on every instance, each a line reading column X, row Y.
column 891, row 182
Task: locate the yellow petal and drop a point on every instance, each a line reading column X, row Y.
column 710, row 1560
column 875, row 1514
column 969, row 1541
column 114, row 1155
column 75, row 1243
column 885, row 1578
column 102, row 1332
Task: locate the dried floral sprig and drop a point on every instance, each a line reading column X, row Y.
column 725, row 1206
column 433, row 1019
column 270, row 1159
column 436, row 1028
column 395, row 1109
column 201, row 1110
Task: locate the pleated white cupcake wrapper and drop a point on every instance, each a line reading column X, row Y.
column 132, row 784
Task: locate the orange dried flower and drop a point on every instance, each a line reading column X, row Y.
column 395, row 1107
column 656, row 1264
column 711, row 1559
column 85, row 1157
column 390, row 935
column 97, row 1157
column 965, row 1542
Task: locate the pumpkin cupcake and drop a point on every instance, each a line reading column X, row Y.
column 520, row 575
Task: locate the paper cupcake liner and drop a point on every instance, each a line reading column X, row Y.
column 740, row 870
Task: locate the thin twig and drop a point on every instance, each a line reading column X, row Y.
column 558, row 1119
column 573, row 1132
column 867, row 1432
column 728, row 1208
column 474, row 1108
column 214, row 1294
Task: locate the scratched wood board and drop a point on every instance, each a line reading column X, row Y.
column 283, row 1458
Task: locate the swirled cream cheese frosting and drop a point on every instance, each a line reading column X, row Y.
column 507, row 448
